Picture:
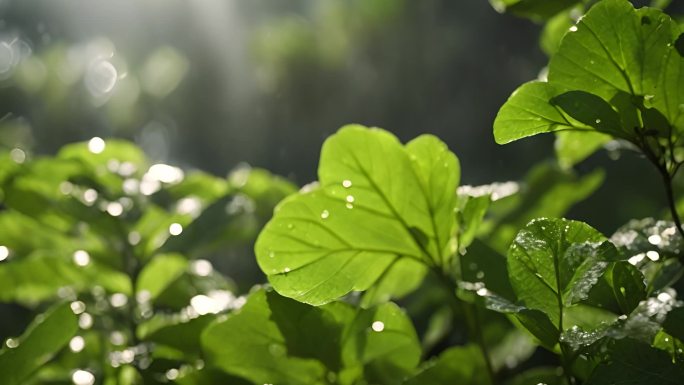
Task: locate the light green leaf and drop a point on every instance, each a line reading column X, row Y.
column 553, row 263
column 528, row 112
column 554, row 30
column 46, row 336
column 573, row 147
column 38, row 277
column 613, row 51
column 401, row 278
column 614, row 48
column 470, row 217
column 376, row 203
column 160, row 272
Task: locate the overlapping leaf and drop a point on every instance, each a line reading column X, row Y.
column 273, row 339
column 615, row 63
column 378, row 202
column 553, row 263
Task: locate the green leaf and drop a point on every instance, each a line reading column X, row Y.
column 540, row 375
column 483, row 264
column 377, row 202
column 613, row 51
column 554, row 30
column 176, row 332
column 628, row 285
column 614, row 48
column 589, row 110
column 674, row 323
column 46, row 336
column 209, row 376
column 573, row 147
column 633, row 363
column 38, row 277
column 400, row 279
column 457, row 365
column 534, row 321
column 553, row 263
column 251, row 343
column 274, row 339
column 160, row 272
column 224, row 221
column 470, row 217
column 528, row 112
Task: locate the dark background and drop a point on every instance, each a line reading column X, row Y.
column 211, row 83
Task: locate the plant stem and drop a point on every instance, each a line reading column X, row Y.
column 473, row 317
column 472, row 320
column 667, row 180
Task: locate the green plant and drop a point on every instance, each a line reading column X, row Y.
column 492, row 285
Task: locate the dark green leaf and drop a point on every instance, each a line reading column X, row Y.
column 589, row 110
column 457, row 365
column 674, row 323
column 634, row 363
column 274, row 339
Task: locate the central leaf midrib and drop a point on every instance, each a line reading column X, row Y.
column 389, row 205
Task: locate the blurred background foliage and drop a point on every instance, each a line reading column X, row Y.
column 209, row 84
column 222, row 86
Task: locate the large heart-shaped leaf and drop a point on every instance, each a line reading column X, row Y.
column 378, row 202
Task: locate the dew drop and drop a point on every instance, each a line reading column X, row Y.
column 325, row 214
column 346, row 183
column 175, row 229
column 654, row 239
column 82, row 377
column 598, row 121
column 81, row 258
column 349, row 206
column 77, row 344
column 96, row 145
column 573, row 28
column 378, row 326
column 350, row 199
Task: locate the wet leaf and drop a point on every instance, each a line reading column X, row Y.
column 378, row 202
